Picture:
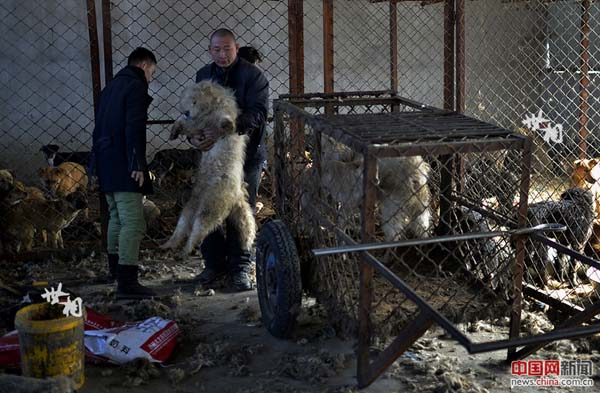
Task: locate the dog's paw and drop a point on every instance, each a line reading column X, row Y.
column 176, row 130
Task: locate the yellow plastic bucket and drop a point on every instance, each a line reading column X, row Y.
column 51, row 344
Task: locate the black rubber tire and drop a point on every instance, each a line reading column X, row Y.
column 278, row 279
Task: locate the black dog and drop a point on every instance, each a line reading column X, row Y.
column 169, row 161
column 54, row 158
column 575, row 210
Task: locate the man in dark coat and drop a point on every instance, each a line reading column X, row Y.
column 119, row 160
column 222, row 250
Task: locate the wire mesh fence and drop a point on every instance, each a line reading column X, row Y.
column 530, row 66
column 45, row 102
column 437, row 174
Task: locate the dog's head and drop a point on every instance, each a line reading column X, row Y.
column 206, row 105
column 6, row 181
column 581, row 197
column 585, row 172
column 51, row 178
column 50, row 153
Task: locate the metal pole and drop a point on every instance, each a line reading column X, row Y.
column 94, row 51
column 518, row 272
column 460, row 56
column 365, row 297
column 584, row 80
column 449, row 55
column 328, row 45
column 107, row 37
column 394, row 45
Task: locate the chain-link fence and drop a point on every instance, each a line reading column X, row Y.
column 453, row 189
column 529, row 66
column 46, row 103
column 178, row 33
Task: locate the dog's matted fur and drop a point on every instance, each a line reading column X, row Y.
column 219, row 192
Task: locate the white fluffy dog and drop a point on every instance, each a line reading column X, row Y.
column 219, row 192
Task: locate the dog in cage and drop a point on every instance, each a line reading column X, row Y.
column 576, row 210
column 219, row 193
column 403, row 195
column 488, row 259
column 493, row 180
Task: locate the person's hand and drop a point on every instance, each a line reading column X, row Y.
column 202, row 143
column 138, row 176
column 214, row 133
column 207, row 140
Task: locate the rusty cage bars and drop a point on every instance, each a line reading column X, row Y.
column 434, row 132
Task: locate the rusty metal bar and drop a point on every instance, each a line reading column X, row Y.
column 558, row 304
column 450, row 327
column 328, row 62
column 393, row 45
column 584, row 79
column 107, row 41
column 296, row 58
column 568, row 251
column 296, row 45
column 279, row 162
column 460, row 55
column 436, row 240
column 577, row 319
column 411, row 333
column 449, row 55
column 338, row 94
column 94, row 51
column 515, row 318
column 366, row 270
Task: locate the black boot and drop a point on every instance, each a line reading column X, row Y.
column 113, row 261
column 240, row 266
column 128, row 286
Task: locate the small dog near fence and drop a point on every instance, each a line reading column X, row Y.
column 176, row 164
column 55, row 158
column 586, row 175
column 219, row 192
column 575, row 210
column 403, row 193
column 64, row 179
column 44, row 217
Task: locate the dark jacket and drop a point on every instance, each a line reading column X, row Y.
column 119, row 140
column 252, row 95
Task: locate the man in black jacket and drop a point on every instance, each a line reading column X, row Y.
column 119, row 160
column 222, row 249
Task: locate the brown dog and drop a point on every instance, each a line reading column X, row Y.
column 64, row 179
column 586, row 175
column 31, row 192
column 46, row 217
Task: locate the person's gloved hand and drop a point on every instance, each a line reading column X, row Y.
column 207, row 140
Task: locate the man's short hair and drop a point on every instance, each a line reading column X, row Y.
column 222, row 33
column 141, row 55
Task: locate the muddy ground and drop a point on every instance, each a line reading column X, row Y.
column 225, row 348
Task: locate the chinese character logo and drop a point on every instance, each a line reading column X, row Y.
column 539, row 123
column 71, row 307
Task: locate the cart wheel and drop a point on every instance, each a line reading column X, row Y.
column 278, row 279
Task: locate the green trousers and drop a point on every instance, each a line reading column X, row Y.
column 126, row 226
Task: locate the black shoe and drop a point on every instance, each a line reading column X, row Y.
column 241, row 281
column 128, row 286
column 113, row 262
column 208, row 276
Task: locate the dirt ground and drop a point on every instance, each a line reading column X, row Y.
column 225, row 348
